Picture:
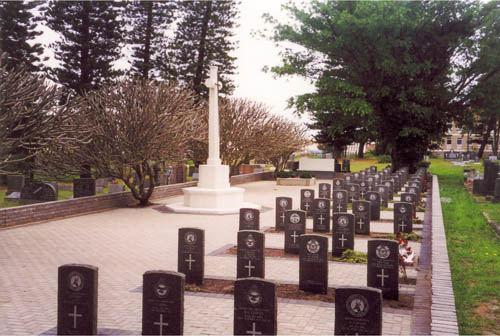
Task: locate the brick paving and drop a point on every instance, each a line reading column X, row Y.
column 126, row 242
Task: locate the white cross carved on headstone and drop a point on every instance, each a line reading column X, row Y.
column 253, row 331
column 339, row 207
column 282, row 217
column 321, row 219
column 295, row 235
column 75, row 316
column 361, row 223
column 190, row 261
column 382, row 277
column 213, row 118
column 161, row 324
column 402, row 225
column 342, row 239
column 362, row 193
column 307, row 206
column 249, row 267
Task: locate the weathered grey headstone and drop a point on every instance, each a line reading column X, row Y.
column 352, row 192
column 383, row 267
column 282, row 204
column 102, row 182
column 84, row 187
column 313, row 263
column 255, row 307
column 338, row 184
column 249, row 219
column 295, row 225
column 306, row 200
column 373, row 169
column 374, row 198
column 358, row 311
column 114, row 188
column 361, row 212
column 37, row 192
column 403, row 215
column 77, row 300
column 191, row 254
column 384, row 195
column 325, row 190
column 321, row 215
column 343, row 233
column 347, row 179
column 340, row 201
column 250, row 260
column 163, row 303
column 390, row 189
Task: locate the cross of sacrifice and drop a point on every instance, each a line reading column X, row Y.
column 382, row 276
column 282, row 217
column 190, row 261
column 161, row 324
column 306, row 205
column 361, row 223
column 295, row 235
column 249, row 267
column 339, row 207
column 74, row 315
column 321, row 219
column 253, row 331
column 342, row 239
column 403, row 225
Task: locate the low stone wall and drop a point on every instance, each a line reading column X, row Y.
column 77, row 206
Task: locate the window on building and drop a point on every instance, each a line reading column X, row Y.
column 459, row 141
column 448, row 141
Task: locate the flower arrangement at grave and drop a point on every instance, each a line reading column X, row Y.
column 406, row 255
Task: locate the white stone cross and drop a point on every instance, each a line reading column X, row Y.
column 342, row 239
column 361, row 223
column 190, row 261
column 295, row 235
column 382, row 276
column 249, row 267
column 161, row 324
column 321, row 219
column 213, row 118
column 403, row 225
column 339, row 207
column 253, row 331
column 282, row 217
column 74, row 315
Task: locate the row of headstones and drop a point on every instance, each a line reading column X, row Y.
column 358, row 310
column 490, row 184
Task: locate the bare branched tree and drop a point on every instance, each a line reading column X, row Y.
column 133, row 125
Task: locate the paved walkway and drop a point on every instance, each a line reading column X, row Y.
column 125, row 243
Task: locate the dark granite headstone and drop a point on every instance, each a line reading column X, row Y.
column 410, row 198
column 255, row 307
column 313, row 263
column 250, row 260
column 352, row 192
column 295, row 225
column 377, row 178
column 338, row 184
column 477, row 187
column 358, row 311
column 496, row 198
column 37, row 192
column 282, row 204
column 163, row 303
column 363, row 189
column 83, row 187
column 306, row 200
column 403, row 221
column 347, row 179
column 346, row 165
column 374, row 198
column 384, row 195
column 343, row 233
column 356, row 177
column 390, row 189
column 77, row 300
column 249, row 219
column 191, row 254
column 15, row 183
column 370, row 180
column 339, row 201
column 361, row 212
column 383, row 267
column 412, row 190
column 325, row 190
column 321, row 215
column 373, row 169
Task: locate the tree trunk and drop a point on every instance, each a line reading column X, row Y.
column 337, row 152
column 495, row 139
column 202, row 49
column 147, row 47
column 85, row 71
column 361, row 150
column 484, row 141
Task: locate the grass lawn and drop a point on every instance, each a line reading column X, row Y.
column 474, row 252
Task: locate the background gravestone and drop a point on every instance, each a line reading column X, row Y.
column 358, row 311
column 338, row 184
column 163, row 303
column 352, row 192
column 15, row 184
column 295, row 225
column 282, row 204
column 374, row 198
column 339, row 201
column 313, row 263
column 347, row 179
column 77, row 300
column 390, row 189
column 384, row 195
column 114, row 188
column 403, row 215
column 249, row 219
column 306, row 200
column 38, row 192
column 373, row 169
column 83, row 187
column 343, row 233
column 383, row 267
column 255, row 307
column 325, row 190
column 250, row 260
column 361, row 212
column 496, row 198
column 191, row 254
column 410, row 198
column 363, row 189
column 321, row 215
column 370, row 181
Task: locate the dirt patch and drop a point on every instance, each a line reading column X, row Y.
column 490, row 311
column 288, row 291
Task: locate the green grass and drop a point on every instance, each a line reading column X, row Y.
column 474, row 252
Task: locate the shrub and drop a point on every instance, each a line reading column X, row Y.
column 306, row 175
column 285, row 174
column 384, row 159
column 424, row 164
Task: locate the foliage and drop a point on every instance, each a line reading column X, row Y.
column 91, row 34
column 306, row 175
column 203, row 37
column 352, row 257
column 285, row 174
column 384, row 159
column 17, row 28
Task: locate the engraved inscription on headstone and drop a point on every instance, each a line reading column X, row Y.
column 321, row 215
column 295, row 225
column 384, row 195
column 313, row 267
column 250, row 259
column 361, row 211
column 403, row 221
column 374, row 198
column 191, row 254
column 282, row 204
column 338, row 184
column 339, row 201
column 390, row 189
column 383, row 267
column 249, row 219
column 84, row 187
column 353, row 192
column 410, row 198
column 306, row 200
column 343, row 233
column 325, row 190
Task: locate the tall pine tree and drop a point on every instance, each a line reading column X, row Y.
column 148, row 21
column 91, row 37
column 203, row 37
column 17, row 27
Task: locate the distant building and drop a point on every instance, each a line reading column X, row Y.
column 455, row 141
